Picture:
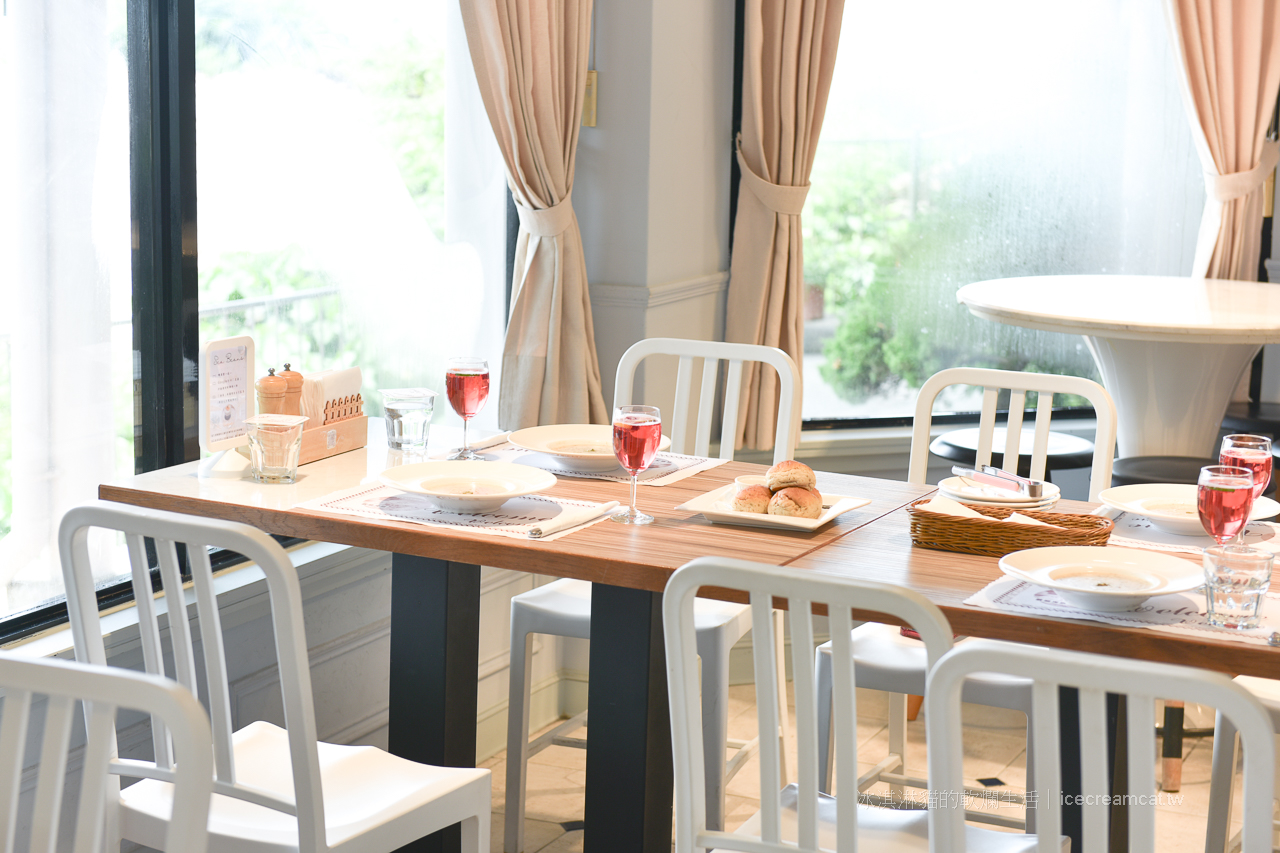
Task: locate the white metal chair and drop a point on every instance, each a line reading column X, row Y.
column 896, row 664
column 563, row 607
column 1217, row 830
column 795, row 814
column 1095, row 676
column 63, row 685
column 276, row 789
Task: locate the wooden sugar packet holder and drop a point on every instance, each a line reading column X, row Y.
column 993, row 537
column 344, row 427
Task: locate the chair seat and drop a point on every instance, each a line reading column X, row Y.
column 563, row 608
column 1255, row 418
column 367, row 795
column 899, row 830
column 1065, row 451
column 1267, row 691
column 886, row 660
column 1158, row 469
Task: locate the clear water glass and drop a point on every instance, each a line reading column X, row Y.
column 408, row 414
column 1236, row 581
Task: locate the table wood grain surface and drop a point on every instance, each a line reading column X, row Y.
column 870, row 543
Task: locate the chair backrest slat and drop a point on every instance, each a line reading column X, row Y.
column 13, row 739
column 1093, row 768
column 1093, row 677
column 99, row 749
column 712, row 353
column 766, row 673
column 1018, row 384
column 58, row 714
column 1141, row 714
column 215, row 662
column 148, row 632
column 184, row 655
column 101, row 691
column 1013, row 432
column 803, row 592
column 198, row 535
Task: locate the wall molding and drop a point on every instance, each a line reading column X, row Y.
column 653, row 295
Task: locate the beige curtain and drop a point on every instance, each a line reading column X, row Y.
column 530, row 59
column 789, row 54
column 1229, row 52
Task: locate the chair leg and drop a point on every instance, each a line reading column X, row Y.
column 1221, row 779
column 1171, row 753
column 475, row 834
column 826, row 743
column 898, row 739
column 517, row 741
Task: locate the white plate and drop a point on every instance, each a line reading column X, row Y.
column 1172, row 506
column 1040, row 505
column 577, row 447
column 955, row 487
column 1108, row 579
column 468, row 487
column 716, row 507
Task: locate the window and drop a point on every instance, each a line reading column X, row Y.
column 965, row 142
column 351, row 206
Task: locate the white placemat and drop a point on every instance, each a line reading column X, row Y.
column 667, row 468
column 1136, row 531
column 518, row 518
column 1173, row 614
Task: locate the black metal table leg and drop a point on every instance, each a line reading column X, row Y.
column 629, row 770
column 1072, row 782
column 435, row 630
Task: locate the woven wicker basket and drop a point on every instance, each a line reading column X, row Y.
column 995, row 538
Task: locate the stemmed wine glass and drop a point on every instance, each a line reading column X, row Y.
column 1252, row 452
column 466, row 382
column 1224, row 498
column 637, row 430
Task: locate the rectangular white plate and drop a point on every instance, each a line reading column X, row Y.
column 714, row 506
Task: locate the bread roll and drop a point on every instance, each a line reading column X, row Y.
column 752, row 499
column 796, row 502
column 789, row 473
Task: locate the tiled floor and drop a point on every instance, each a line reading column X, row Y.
column 995, row 747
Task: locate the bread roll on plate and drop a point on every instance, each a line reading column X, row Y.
column 752, row 499
column 796, row 502
column 789, row 473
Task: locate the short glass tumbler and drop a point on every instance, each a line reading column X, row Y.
column 408, row 414
column 274, row 444
column 1236, row 580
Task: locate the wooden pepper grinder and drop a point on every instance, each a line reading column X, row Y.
column 271, row 393
column 293, row 391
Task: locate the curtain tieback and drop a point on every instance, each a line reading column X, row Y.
column 777, row 197
column 1240, row 184
column 549, row 221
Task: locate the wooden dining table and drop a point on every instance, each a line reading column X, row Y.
column 436, row 594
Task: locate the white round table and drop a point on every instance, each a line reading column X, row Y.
column 1170, row 350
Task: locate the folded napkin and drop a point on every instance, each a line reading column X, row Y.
column 490, row 441
column 571, row 518
column 946, row 506
column 325, row 386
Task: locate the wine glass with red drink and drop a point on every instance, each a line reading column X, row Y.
column 636, row 433
column 466, row 383
column 1224, row 497
column 1252, row 452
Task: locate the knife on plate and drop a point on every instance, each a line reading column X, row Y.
column 989, row 476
